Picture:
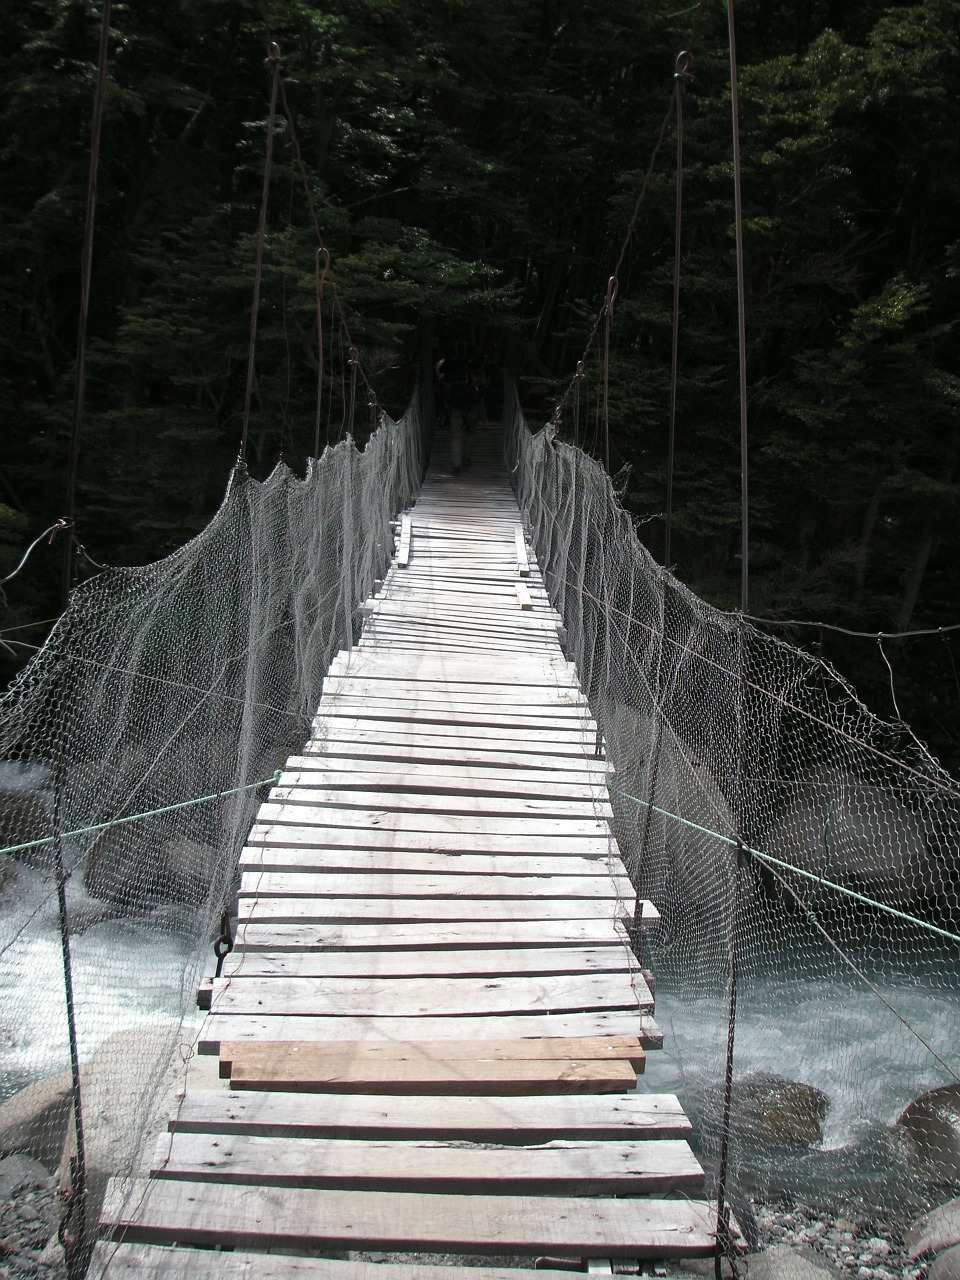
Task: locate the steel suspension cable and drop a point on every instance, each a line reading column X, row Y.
column 741, row 322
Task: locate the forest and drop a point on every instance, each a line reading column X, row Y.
column 474, row 170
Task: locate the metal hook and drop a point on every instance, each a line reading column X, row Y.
column 612, row 287
column 273, row 53
column 684, row 62
column 580, row 371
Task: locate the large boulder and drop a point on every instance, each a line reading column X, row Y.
column 859, row 835
column 935, row 1231
column 774, row 1109
column 926, row 1135
column 34, row 1121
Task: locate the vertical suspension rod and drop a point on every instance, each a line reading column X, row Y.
column 273, row 61
column 74, row 1244
column 741, row 322
column 683, row 63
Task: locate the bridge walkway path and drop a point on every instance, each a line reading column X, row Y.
column 423, row 1051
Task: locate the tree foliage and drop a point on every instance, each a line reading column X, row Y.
column 473, row 169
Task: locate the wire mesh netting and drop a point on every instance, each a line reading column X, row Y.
column 787, row 834
column 171, row 694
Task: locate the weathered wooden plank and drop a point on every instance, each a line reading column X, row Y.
column 293, row 836
column 555, row 1168
column 433, row 911
column 465, row 751
column 453, row 779
column 408, row 964
column 248, row 1217
column 379, row 883
column 402, row 861
column 385, row 687
column 113, row 1261
column 451, row 708
column 549, row 1048
column 262, row 1026
column 434, row 1078
column 575, row 739
column 520, row 548
column 406, row 531
column 489, row 804
column 537, row 1118
column 430, row 997
column 306, row 815
column 463, row 934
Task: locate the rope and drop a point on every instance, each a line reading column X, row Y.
column 741, row 323
column 644, row 186
column 682, row 73
column 147, row 813
column 845, row 631
column 272, row 60
column 62, row 525
column 769, row 860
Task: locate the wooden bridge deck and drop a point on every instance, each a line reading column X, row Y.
column 426, row 1040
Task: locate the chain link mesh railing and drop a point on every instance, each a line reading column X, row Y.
column 786, row 834
column 171, row 694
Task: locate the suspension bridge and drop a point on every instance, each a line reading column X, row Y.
column 426, row 1040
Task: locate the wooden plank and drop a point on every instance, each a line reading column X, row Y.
column 263, row 1026
column 538, row 1118
column 468, row 752
column 113, row 1261
column 523, row 597
column 379, row 883
column 433, row 911
column 294, row 836
column 520, row 547
column 489, row 804
column 473, row 1079
column 454, row 779
column 408, row 964
column 307, row 815
column 305, row 1054
column 456, row 740
column 430, row 997
column 464, row 934
column 402, row 861
column 555, row 1168
column 370, row 756
column 249, row 1217
column 403, row 551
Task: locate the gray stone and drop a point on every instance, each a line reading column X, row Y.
column 858, row 835
column 785, row 1262
column 926, row 1135
column 34, row 1120
column 946, row 1266
column 936, row 1230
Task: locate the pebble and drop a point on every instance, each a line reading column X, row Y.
column 29, row 1215
column 863, row 1251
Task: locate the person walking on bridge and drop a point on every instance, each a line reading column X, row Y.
column 463, row 396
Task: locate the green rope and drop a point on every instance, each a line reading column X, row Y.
column 771, row 861
column 149, row 813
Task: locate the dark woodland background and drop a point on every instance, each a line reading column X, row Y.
column 474, row 168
